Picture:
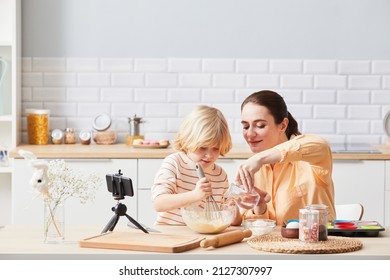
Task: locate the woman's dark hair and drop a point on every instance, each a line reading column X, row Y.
column 277, row 108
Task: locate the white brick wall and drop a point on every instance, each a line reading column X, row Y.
column 341, row 100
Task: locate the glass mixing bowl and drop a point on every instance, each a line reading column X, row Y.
column 203, row 221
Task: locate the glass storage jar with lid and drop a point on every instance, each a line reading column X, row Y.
column 38, row 126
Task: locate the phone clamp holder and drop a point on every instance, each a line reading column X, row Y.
column 120, row 186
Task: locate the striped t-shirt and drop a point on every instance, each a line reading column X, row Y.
column 177, row 174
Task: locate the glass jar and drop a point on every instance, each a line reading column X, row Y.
column 322, row 220
column 308, row 225
column 57, row 136
column 85, row 137
column 38, row 126
column 69, row 137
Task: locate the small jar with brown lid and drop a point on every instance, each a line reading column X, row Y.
column 85, row 137
column 69, row 137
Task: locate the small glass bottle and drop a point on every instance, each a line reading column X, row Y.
column 69, row 137
column 85, row 137
column 57, row 136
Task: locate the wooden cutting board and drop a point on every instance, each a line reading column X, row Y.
column 139, row 241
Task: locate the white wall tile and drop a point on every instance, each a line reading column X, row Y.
column 127, row 80
column 353, row 97
column 319, row 126
column 291, row 96
column 218, row 65
column 93, row 80
column 330, row 112
column 161, row 80
column 150, row 95
column 263, row 81
column 160, row 110
column 26, row 64
column 217, row 95
column 320, row 66
column 380, row 97
column 122, row 109
column 27, row 94
column 117, row 94
column 354, row 67
column 301, row 111
column 386, row 82
column 364, row 112
column 195, row 80
column 229, row 80
column 180, row 65
column 286, row 66
column 48, row 64
column 82, row 64
column 92, row 109
column 49, row 94
column 60, row 109
column 150, row 65
column 353, row 127
column 31, row 79
column 296, row 81
column 185, row 108
column 184, row 95
column 330, row 82
column 173, row 124
column 381, row 67
column 155, row 125
column 364, row 82
column 59, row 79
column 83, row 94
column 319, row 96
column 117, row 65
column 252, row 66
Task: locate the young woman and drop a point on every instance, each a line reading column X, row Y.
column 202, row 138
column 289, row 170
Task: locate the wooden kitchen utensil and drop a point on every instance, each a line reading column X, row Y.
column 226, row 238
column 137, row 241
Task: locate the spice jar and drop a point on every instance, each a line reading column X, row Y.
column 322, row 220
column 57, row 136
column 308, row 225
column 85, row 137
column 70, row 137
column 37, row 126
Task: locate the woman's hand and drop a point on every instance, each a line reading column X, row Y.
column 246, row 173
column 202, row 189
column 261, row 206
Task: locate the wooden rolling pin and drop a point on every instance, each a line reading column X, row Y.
column 226, row 238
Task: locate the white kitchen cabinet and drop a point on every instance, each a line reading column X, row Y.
column 361, row 181
column 27, row 207
column 10, row 97
column 147, row 169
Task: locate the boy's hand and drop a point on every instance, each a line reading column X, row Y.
column 202, row 189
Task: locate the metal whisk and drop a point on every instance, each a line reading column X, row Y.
column 212, row 209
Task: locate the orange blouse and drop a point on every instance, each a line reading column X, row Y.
column 302, row 177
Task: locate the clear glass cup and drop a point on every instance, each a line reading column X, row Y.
column 244, row 199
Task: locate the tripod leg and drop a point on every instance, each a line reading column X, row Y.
column 136, row 223
column 111, row 224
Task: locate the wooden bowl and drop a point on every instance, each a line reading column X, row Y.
column 292, row 233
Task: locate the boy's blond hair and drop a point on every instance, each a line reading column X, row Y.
column 204, row 126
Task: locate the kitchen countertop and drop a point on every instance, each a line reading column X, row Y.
column 26, row 242
column 240, row 151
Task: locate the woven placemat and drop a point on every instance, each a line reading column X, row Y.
column 279, row 244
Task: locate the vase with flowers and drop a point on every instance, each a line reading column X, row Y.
column 55, row 181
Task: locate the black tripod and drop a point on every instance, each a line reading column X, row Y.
column 120, row 210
